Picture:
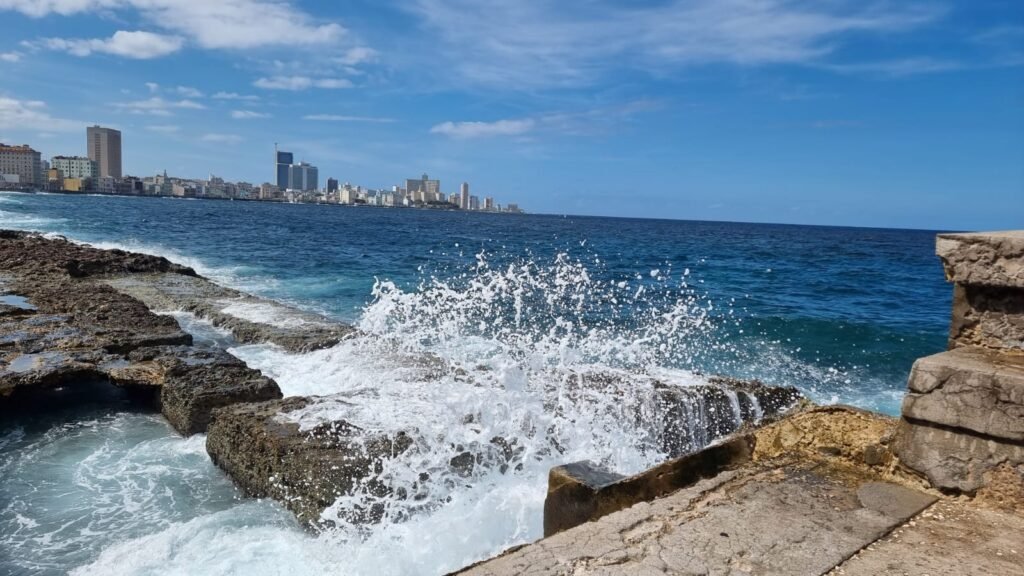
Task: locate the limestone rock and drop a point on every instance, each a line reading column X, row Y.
column 969, row 388
column 953, row 459
column 987, row 317
column 307, row 470
column 983, row 258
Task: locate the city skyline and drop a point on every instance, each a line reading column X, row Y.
column 889, row 114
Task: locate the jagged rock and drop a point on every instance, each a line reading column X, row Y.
column 307, row 470
column 987, row 317
column 983, row 258
column 22, row 374
column 969, row 388
column 953, row 459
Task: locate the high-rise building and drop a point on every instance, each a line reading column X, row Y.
column 104, row 146
column 76, row 166
column 23, row 162
column 303, row 176
column 282, row 164
column 332, row 185
column 424, row 189
column 464, row 196
column 489, row 203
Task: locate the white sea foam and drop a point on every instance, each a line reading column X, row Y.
column 268, row 312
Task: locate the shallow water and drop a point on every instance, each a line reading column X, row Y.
column 511, row 308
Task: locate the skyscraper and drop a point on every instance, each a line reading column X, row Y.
column 283, row 162
column 464, row 197
column 104, row 146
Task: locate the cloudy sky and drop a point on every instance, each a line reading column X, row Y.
column 875, row 113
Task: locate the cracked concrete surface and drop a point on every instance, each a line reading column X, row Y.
column 761, row 520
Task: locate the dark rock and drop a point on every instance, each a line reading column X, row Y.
column 305, row 470
column 987, row 317
column 582, row 492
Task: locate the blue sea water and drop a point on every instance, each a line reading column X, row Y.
column 839, row 312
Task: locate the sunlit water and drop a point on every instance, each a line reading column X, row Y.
column 510, row 309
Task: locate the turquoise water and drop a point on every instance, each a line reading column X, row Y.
column 841, row 313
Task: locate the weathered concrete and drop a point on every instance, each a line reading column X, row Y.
column 969, row 388
column 952, row 537
column 790, row 520
column 292, row 329
column 581, row 492
column 306, row 470
column 983, row 258
column 951, row 458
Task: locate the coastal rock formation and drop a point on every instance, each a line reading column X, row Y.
column 249, row 319
column 306, row 470
column 60, row 329
column 963, row 415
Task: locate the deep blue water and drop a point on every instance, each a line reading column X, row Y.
column 841, row 312
column 105, row 489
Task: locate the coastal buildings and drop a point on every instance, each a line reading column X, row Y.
column 304, row 177
column 104, row 148
column 423, row 190
column 464, row 196
column 20, row 165
column 75, row 166
column 282, row 164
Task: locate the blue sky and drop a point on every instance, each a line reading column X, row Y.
column 876, row 113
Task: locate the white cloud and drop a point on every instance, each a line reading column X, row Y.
column 899, row 67
column 536, row 43
column 357, row 55
column 157, row 106
column 340, row 118
column 164, row 128
column 300, row 83
column 211, row 24
column 465, row 130
column 10, row 56
column 235, row 96
column 137, row 45
column 188, row 92
column 221, row 138
column 247, row 114
column 153, row 87
column 32, row 115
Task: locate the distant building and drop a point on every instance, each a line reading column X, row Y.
column 104, row 146
column 75, row 166
column 304, row 177
column 283, row 162
column 464, row 196
column 332, row 185
column 424, row 189
column 21, row 161
column 474, row 203
column 489, row 203
column 75, row 184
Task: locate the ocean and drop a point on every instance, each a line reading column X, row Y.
column 840, row 313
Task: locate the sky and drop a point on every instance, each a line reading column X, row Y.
column 865, row 113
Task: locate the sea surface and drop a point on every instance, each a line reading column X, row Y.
column 108, row 488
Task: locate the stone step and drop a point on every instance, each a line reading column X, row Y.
column 969, row 388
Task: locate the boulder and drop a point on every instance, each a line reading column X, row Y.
column 983, row 258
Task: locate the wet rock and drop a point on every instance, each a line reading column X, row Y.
column 307, row 470
column 22, row 374
column 582, row 492
column 234, row 311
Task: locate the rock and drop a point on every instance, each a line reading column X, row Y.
column 987, row 317
column 953, row 459
column 249, row 319
column 582, row 492
column 23, row 374
column 983, row 258
column 306, row 470
column 969, row 388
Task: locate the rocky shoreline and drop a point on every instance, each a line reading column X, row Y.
column 77, row 314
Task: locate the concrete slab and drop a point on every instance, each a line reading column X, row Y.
column 789, row 521
column 951, row 537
